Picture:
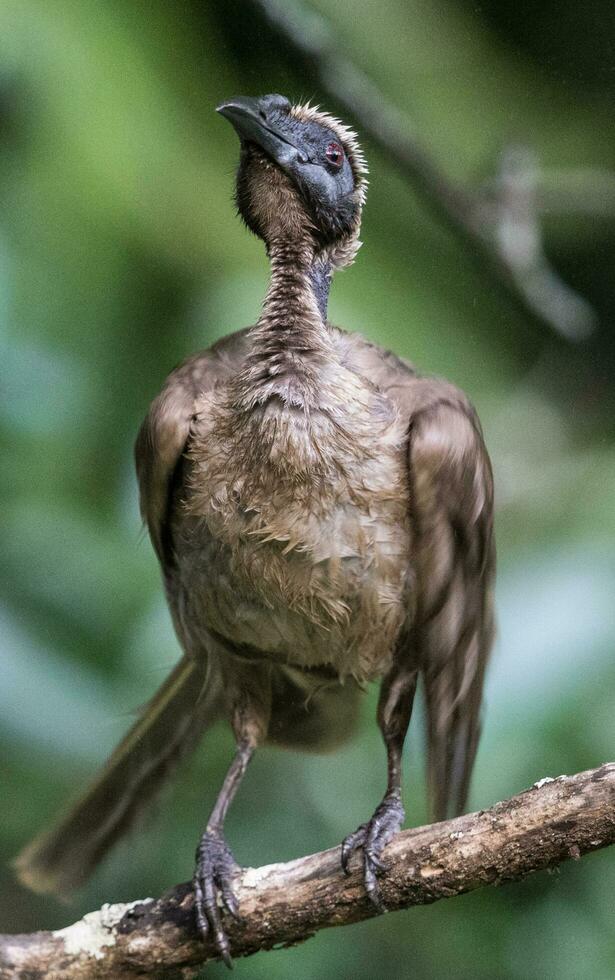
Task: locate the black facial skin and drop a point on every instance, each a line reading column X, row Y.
column 299, row 149
column 320, row 276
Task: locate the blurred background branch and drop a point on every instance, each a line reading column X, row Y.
column 504, row 233
column 285, row 904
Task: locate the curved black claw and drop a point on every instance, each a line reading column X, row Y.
column 213, row 881
column 373, row 837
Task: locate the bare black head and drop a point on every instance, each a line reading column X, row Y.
column 301, row 176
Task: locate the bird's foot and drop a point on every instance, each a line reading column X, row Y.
column 373, row 837
column 213, row 889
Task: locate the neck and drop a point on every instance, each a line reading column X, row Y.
column 298, row 290
column 291, row 349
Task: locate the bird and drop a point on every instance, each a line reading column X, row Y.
column 323, row 517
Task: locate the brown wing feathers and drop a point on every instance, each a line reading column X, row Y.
column 452, row 506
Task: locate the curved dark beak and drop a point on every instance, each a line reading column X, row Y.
column 255, row 120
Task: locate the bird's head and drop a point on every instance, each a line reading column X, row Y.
column 302, row 176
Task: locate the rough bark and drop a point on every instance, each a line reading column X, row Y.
column 284, row 904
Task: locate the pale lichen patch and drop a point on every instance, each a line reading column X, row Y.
column 95, row 931
column 255, row 877
column 543, row 782
column 430, row 871
column 548, row 779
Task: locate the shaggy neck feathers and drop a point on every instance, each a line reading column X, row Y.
column 291, row 350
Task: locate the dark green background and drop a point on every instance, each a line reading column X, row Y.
column 120, row 254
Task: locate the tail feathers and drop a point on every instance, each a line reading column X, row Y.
column 63, row 857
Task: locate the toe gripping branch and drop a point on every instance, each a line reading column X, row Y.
column 213, row 890
column 372, row 837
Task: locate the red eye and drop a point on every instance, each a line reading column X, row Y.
column 335, row 154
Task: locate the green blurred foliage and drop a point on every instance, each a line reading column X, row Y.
column 119, row 255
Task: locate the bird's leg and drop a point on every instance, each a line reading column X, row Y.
column 394, row 710
column 215, row 864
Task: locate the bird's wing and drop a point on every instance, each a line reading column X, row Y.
column 161, row 443
column 165, row 431
column 451, row 491
column 451, row 504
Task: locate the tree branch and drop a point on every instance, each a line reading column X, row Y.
column 529, row 280
column 284, row 904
